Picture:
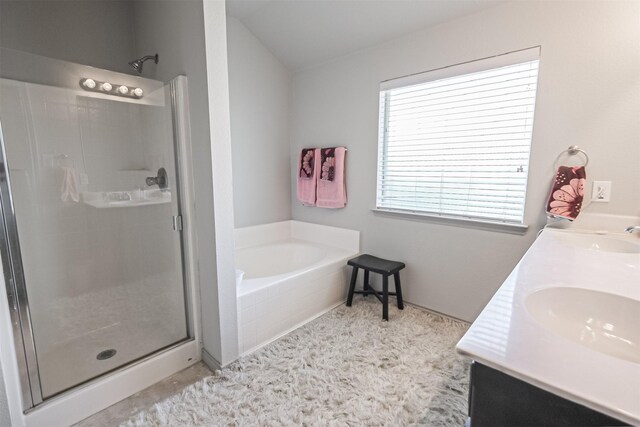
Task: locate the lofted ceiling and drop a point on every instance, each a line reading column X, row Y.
column 304, row 33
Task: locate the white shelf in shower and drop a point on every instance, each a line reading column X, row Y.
column 102, row 200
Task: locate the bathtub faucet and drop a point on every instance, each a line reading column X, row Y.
column 632, row 229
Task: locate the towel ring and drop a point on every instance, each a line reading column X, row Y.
column 573, row 150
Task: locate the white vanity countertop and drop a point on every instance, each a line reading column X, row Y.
column 506, row 336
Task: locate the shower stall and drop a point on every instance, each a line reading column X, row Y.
column 93, row 183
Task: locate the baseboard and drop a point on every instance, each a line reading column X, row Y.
column 210, row 361
column 428, row 310
column 436, row 313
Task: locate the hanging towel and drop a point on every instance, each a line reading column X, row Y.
column 328, row 164
column 308, row 165
column 567, row 192
column 332, row 191
column 69, row 190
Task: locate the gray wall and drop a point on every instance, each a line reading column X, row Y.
column 589, row 94
column 260, row 96
column 97, row 33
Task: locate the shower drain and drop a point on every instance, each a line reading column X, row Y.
column 106, row 354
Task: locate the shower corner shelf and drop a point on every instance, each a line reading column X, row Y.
column 125, row 199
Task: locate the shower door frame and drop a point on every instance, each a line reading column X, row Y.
column 15, row 284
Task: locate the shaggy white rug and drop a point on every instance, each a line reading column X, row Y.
column 347, row 367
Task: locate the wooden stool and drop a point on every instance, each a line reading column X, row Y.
column 381, row 266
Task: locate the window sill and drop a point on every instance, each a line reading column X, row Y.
column 502, row 227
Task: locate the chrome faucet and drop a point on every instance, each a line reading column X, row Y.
column 632, row 229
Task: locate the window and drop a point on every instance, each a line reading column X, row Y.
column 455, row 142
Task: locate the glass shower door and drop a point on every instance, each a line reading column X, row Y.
column 93, row 180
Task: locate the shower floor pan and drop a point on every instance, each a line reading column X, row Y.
column 116, row 327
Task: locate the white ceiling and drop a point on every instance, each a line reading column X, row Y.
column 303, row 33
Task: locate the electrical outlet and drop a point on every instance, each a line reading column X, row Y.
column 601, row 191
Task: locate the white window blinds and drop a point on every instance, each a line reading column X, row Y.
column 455, row 142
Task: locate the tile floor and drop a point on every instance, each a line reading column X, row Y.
column 123, row 410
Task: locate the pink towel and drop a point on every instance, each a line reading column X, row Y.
column 332, row 191
column 567, row 192
column 308, row 165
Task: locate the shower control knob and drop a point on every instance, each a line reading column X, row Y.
column 161, row 180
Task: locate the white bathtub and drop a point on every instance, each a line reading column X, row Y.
column 293, row 272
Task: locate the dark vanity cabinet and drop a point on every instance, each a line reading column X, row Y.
column 497, row 399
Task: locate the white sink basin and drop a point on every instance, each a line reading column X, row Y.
column 603, row 322
column 600, row 243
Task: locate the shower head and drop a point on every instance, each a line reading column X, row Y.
column 137, row 64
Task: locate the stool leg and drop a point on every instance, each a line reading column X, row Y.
column 366, row 281
column 352, row 286
column 396, row 277
column 385, row 297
